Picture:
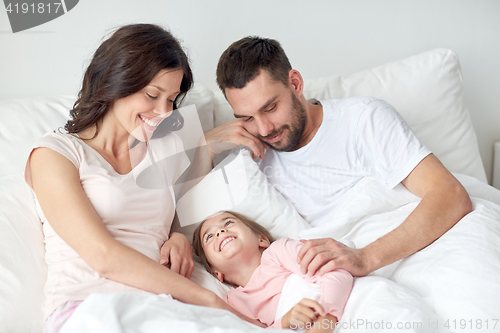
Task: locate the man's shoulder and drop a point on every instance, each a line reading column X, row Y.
column 348, row 102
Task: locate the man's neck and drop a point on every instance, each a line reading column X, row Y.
column 314, row 114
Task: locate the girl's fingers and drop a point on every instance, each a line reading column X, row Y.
column 313, row 306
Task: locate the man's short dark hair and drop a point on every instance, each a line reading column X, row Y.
column 243, row 60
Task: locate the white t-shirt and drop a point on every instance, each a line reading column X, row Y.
column 358, row 137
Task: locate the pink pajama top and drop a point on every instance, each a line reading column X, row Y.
column 260, row 297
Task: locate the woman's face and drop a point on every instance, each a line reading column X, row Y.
column 141, row 113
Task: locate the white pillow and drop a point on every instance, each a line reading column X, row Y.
column 237, row 184
column 25, row 120
column 427, row 91
column 203, row 99
column 22, row 264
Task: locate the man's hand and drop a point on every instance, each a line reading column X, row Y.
column 176, row 252
column 232, row 134
column 319, row 256
column 306, row 311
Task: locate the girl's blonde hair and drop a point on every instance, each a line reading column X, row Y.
column 197, row 241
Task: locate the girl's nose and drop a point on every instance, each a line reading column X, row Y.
column 220, row 230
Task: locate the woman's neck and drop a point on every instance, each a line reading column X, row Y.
column 112, row 142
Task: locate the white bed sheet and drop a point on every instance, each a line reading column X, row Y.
column 451, row 285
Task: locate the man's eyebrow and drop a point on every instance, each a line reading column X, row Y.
column 262, row 108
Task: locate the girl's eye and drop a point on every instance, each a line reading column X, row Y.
column 228, row 223
column 151, row 96
column 207, row 238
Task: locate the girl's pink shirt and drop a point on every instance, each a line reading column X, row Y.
column 260, row 297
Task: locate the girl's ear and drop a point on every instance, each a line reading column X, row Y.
column 219, row 276
column 264, row 242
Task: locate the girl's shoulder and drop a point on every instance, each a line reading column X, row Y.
column 283, row 246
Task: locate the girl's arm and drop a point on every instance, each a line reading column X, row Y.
column 57, row 186
column 335, row 286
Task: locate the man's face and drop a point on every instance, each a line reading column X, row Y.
column 270, row 111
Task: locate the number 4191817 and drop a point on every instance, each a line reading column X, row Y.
column 39, row 8
column 471, row 324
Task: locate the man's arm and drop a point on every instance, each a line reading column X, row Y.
column 444, row 203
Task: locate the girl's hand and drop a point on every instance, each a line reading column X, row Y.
column 177, row 254
column 306, row 311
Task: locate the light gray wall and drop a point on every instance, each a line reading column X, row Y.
column 321, row 37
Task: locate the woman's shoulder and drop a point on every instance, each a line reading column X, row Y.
column 58, row 138
column 69, row 145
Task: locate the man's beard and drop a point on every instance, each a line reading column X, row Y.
column 295, row 129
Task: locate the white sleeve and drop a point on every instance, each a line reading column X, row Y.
column 386, row 146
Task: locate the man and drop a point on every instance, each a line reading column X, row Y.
column 317, row 151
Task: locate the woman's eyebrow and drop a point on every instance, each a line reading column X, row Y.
column 157, row 87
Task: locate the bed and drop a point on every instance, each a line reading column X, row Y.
column 451, row 285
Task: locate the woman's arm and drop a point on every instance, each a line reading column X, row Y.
column 57, row 186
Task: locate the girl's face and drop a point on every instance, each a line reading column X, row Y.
column 141, row 113
column 228, row 242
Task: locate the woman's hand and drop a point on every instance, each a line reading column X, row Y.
column 304, row 312
column 177, row 254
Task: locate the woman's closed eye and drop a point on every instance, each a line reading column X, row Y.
column 151, row 96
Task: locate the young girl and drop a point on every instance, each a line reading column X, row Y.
column 238, row 251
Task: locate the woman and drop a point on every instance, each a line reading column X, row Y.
column 103, row 232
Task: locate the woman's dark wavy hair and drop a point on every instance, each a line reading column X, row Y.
column 124, row 64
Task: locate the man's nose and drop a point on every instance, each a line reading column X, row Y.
column 264, row 126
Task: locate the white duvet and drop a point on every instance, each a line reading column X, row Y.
column 451, row 285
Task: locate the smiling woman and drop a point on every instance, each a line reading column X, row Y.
column 125, row 64
column 103, row 230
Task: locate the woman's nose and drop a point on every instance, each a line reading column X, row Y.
column 163, row 108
